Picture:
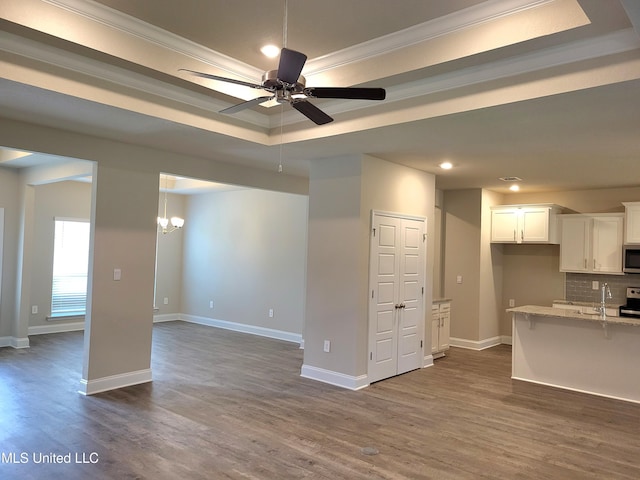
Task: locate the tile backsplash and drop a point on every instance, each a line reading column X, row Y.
column 578, row 287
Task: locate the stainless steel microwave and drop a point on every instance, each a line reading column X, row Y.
column 631, row 259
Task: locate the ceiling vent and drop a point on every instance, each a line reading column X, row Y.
column 510, row 179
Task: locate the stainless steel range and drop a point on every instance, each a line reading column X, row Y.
column 632, row 307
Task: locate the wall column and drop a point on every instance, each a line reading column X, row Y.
column 342, row 193
column 20, row 328
column 118, row 327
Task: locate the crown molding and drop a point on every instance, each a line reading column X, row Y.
column 609, row 44
column 616, row 42
column 125, row 23
column 81, row 65
column 485, row 12
column 455, row 22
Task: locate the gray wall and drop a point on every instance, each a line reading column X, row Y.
column 343, row 192
column 8, row 201
column 462, row 237
column 124, row 203
column 62, row 199
column 246, row 251
column 169, row 269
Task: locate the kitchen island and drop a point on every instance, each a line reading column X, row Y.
column 567, row 349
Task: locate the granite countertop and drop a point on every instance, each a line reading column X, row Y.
column 562, row 313
column 588, row 304
column 441, row 300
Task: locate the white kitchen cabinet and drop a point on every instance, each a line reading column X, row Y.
column 524, row 223
column 631, row 222
column 440, row 327
column 591, row 243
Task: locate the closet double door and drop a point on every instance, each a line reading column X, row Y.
column 396, row 295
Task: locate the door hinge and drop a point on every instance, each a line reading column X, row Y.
column 371, row 293
column 370, row 355
column 423, row 290
column 424, row 237
column 421, row 343
column 374, row 232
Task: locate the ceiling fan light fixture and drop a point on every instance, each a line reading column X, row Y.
column 270, row 51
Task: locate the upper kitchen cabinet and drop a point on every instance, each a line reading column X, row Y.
column 524, row 223
column 591, row 243
column 632, row 222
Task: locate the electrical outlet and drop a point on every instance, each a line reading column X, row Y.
column 166, row 300
column 327, row 346
column 459, row 279
column 512, row 302
column 210, row 303
column 271, row 313
column 34, row 309
column 595, row 285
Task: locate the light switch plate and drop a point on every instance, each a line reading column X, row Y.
column 117, row 274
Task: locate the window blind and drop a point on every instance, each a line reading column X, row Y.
column 70, row 265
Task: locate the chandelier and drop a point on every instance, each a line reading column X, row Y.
column 168, row 225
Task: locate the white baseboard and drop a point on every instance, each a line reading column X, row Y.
column 428, row 361
column 506, row 339
column 56, row 328
column 14, row 342
column 474, row 344
column 166, row 317
column 113, row 382
column 243, row 328
column 334, row 378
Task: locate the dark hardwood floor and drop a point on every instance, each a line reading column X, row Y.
column 228, row 405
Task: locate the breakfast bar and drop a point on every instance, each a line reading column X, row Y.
column 590, row 353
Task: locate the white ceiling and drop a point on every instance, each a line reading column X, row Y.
column 545, row 90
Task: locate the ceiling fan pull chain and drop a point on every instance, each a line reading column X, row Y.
column 284, row 23
column 281, row 136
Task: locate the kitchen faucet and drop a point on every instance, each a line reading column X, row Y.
column 605, row 294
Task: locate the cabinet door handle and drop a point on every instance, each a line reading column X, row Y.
column 585, row 263
column 594, row 263
column 514, row 234
column 522, row 235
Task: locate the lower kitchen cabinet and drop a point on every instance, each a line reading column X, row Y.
column 440, row 325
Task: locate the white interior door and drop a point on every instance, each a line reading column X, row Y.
column 411, row 295
column 396, row 315
column 383, row 328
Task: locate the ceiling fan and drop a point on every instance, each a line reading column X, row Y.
column 286, row 85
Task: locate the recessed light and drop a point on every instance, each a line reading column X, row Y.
column 446, row 165
column 270, row 51
column 514, row 188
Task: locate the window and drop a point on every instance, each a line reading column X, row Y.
column 70, row 265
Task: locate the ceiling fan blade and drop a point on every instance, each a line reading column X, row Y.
column 312, row 112
column 354, row 93
column 244, row 105
column 290, row 66
column 222, row 79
